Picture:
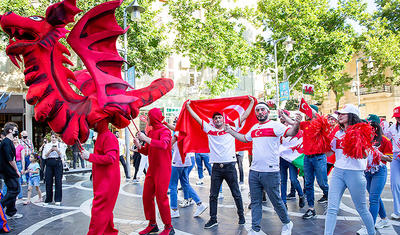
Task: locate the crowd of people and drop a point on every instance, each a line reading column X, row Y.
column 276, row 146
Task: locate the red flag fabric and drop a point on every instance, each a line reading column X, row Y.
column 192, row 138
column 305, row 108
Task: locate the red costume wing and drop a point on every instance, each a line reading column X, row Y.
column 94, row 39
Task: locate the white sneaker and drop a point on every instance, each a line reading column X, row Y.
column 58, row 203
column 175, row 213
column 221, row 195
column 382, row 223
column 287, row 228
column 252, row 232
column 200, row 182
column 199, row 210
column 15, row 216
column 191, row 201
column 394, row 216
column 362, row 231
column 184, row 203
column 135, row 181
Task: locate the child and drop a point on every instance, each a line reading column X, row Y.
column 34, row 177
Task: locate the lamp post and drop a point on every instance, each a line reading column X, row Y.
column 134, row 9
column 370, row 65
column 289, row 47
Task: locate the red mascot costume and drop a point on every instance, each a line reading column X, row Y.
column 106, row 180
column 158, row 148
column 103, row 95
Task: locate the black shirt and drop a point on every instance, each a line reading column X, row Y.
column 7, row 154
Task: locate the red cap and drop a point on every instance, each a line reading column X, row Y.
column 396, row 112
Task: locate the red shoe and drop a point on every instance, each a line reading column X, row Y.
column 168, row 231
column 151, row 228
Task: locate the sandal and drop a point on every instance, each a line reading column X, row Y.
column 26, row 202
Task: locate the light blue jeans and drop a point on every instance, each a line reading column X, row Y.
column 375, row 185
column 200, row 158
column 181, row 173
column 355, row 181
column 395, row 182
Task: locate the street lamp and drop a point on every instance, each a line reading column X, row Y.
column 289, row 46
column 370, row 65
column 134, row 9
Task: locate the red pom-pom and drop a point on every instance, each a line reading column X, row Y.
column 357, row 141
column 318, row 134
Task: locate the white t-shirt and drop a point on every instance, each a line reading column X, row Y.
column 343, row 161
column 266, row 141
column 394, row 136
column 121, row 145
column 221, row 144
column 176, row 156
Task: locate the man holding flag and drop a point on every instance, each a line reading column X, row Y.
column 222, row 155
column 315, row 162
column 264, row 170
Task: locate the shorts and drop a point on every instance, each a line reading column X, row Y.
column 34, row 181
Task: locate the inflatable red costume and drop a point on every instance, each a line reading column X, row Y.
column 106, row 180
column 158, row 148
column 103, row 96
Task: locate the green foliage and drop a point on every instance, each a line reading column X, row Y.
column 212, row 37
column 146, row 50
column 292, row 104
column 381, row 41
column 325, row 42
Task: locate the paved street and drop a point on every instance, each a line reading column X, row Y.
column 72, row 217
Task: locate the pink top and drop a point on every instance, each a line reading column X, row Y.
column 18, row 151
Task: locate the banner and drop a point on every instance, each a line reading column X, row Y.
column 284, row 93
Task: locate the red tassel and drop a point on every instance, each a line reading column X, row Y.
column 358, row 140
column 318, row 134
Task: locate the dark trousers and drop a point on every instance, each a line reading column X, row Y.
column 229, row 174
column 239, row 159
column 136, row 163
column 54, row 169
column 9, row 199
column 122, row 160
column 77, row 157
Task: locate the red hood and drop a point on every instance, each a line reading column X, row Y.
column 156, row 117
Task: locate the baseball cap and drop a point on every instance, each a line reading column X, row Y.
column 396, row 112
column 349, row 108
column 334, row 115
column 374, row 118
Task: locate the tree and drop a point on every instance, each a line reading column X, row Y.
column 146, row 50
column 212, row 37
column 381, row 41
column 325, row 42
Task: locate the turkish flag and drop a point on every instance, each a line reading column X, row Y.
column 192, row 138
column 305, row 108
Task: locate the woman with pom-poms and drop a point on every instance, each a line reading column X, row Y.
column 349, row 167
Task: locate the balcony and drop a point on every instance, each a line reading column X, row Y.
column 374, row 90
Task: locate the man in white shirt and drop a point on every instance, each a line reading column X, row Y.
column 121, row 145
column 264, row 170
column 223, row 158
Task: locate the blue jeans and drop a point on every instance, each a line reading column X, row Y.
column 200, row 158
column 20, row 180
column 375, row 185
column 315, row 167
column 355, row 182
column 268, row 181
column 193, row 159
column 180, row 173
column 395, row 182
column 284, row 166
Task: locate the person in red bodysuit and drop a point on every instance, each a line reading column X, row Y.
column 158, row 148
column 106, row 180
